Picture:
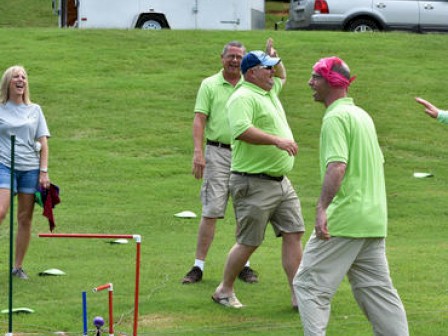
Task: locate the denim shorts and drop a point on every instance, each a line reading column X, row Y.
column 25, row 182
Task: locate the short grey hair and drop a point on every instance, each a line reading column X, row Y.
column 342, row 68
column 236, row 44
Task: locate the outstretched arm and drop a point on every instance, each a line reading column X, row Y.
column 430, row 109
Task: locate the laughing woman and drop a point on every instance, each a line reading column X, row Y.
column 19, row 116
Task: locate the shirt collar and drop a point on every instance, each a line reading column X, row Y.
column 341, row 101
column 256, row 88
column 224, row 82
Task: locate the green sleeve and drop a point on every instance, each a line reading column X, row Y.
column 203, row 99
column 443, row 117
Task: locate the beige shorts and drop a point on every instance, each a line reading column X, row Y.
column 259, row 201
column 215, row 185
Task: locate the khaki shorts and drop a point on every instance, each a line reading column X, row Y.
column 215, row 185
column 258, row 201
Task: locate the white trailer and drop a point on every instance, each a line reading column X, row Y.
column 161, row 14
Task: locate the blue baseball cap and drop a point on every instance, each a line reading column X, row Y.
column 255, row 58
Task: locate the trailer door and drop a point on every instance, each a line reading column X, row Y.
column 72, row 13
column 212, row 14
column 229, row 14
column 107, row 13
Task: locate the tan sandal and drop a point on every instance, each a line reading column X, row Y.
column 230, row 301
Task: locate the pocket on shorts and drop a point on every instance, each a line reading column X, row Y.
column 239, row 188
column 204, row 192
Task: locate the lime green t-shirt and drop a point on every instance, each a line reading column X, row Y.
column 443, row 117
column 359, row 209
column 211, row 100
column 251, row 106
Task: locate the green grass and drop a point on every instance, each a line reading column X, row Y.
column 276, row 14
column 24, row 13
column 119, row 105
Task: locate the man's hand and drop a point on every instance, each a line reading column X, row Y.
column 269, row 50
column 321, row 228
column 430, row 109
column 198, row 165
column 287, row 145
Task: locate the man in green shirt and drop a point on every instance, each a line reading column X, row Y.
column 351, row 216
column 263, row 150
column 210, row 121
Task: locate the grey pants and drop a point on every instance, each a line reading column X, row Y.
column 324, row 265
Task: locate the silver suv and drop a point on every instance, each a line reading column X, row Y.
column 369, row 15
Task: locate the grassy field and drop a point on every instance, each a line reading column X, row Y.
column 119, row 105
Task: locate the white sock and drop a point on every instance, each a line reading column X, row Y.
column 199, row 263
column 247, row 264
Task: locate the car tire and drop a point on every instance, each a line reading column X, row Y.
column 363, row 26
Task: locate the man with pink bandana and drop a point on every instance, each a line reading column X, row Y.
column 351, row 214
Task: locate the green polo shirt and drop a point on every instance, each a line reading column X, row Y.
column 211, row 100
column 443, row 117
column 359, row 209
column 251, row 106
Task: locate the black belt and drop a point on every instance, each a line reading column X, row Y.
column 218, row 144
column 261, row 176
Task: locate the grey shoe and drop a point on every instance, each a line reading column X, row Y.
column 20, row 273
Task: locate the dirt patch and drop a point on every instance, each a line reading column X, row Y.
column 157, row 321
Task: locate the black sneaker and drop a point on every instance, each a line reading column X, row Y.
column 248, row 275
column 20, row 273
column 195, row 275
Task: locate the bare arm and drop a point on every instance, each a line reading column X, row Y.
column 280, row 70
column 44, row 178
column 256, row 136
column 332, row 182
column 199, row 122
column 430, row 109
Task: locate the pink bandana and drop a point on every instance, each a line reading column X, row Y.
column 323, row 68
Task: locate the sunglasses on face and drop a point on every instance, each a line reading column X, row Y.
column 315, row 76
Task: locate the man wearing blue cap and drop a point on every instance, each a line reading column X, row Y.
column 263, row 150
